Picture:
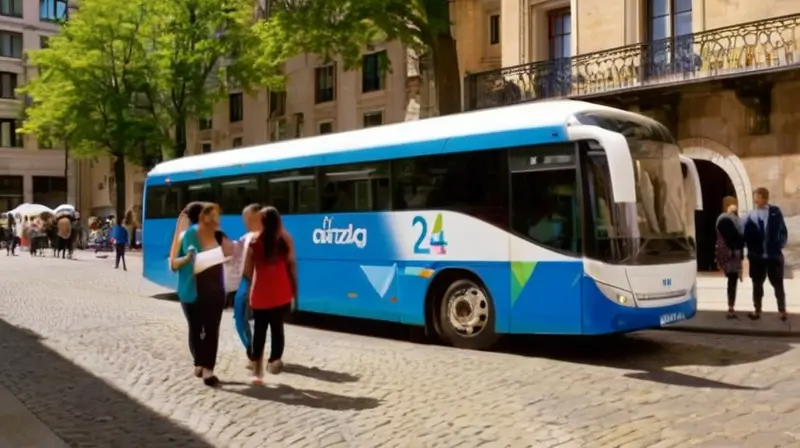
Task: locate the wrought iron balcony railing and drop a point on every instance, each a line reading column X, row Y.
column 766, row 45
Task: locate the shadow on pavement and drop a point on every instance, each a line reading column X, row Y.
column 79, row 407
column 649, row 356
column 319, row 374
column 281, row 393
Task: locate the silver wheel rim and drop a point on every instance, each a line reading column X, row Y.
column 468, row 311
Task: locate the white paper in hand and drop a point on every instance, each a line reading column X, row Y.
column 209, row 258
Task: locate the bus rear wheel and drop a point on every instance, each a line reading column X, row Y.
column 466, row 316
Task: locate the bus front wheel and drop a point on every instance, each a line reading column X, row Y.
column 466, row 316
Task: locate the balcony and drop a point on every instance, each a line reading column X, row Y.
column 744, row 50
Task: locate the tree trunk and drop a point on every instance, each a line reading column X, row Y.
column 119, row 183
column 180, row 138
column 447, row 75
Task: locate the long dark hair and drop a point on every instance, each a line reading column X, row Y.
column 193, row 211
column 270, row 237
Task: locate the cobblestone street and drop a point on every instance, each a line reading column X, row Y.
column 96, row 359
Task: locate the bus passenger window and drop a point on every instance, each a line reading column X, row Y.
column 473, row 183
column 203, row 192
column 162, row 202
column 236, row 194
column 292, row 191
column 355, row 188
column 544, row 208
column 156, row 198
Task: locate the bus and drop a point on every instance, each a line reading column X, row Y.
column 552, row 217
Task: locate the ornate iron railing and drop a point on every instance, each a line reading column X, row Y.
column 764, row 45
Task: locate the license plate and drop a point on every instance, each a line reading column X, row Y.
column 671, row 318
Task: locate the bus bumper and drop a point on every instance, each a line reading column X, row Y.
column 604, row 316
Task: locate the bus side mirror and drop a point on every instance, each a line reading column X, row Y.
column 691, row 171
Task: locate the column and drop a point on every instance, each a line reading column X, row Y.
column 27, row 188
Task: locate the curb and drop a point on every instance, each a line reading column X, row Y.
column 715, row 322
column 734, row 332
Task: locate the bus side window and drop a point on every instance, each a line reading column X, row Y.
column 202, row 191
column 355, row 187
column 238, row 193
column 292, row 191
column 156, row 202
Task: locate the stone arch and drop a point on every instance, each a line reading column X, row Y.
column 705, row 149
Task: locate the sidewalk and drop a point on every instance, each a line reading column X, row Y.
column 21, row 429
column 712, row 306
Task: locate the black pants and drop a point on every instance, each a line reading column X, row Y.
column 61, row 249
column 733, row 281
column 120, row 248
column 763, row 269
column 271, row 319
column 11, row 245
column 204, row 316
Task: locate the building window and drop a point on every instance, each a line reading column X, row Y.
column 11, row 192
column 670, row 35
column 325, row 84
column 560, row 34
column 326, row 127
column 494, row 29
column 49, row 190
column 10, row 45
column 205, row 148
column 53, row 10
column 372, row 119
column 8, row 133
column 205, row 124
column 372, row 72
column 8, row 83
column 44, row 42
column 279, row 130
column 237, row 142
column 277, row 104
column 11, row 8
column 236, row 107
column 669, row 18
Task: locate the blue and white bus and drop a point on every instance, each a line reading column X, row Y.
column 558, row 217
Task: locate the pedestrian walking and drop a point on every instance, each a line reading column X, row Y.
column 765, row 236
column 120, row 235
column 729, row 249
column 271, row 268
column 12, row 239
column 179, row 259
column 251, row 216
column 64, row 229
column 203, row 294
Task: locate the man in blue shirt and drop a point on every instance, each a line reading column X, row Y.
column 120, row 235
column 765, row 236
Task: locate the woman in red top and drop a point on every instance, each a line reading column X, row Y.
column 271, row 268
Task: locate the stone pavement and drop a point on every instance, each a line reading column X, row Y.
column 712, row 308
column 21, row 429
column 87, row 351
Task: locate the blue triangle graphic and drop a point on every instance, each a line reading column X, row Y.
column 380, row 277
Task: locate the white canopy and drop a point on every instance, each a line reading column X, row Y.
column 31, row 210
column 64, row 208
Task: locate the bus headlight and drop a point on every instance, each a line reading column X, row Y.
column 616, row 295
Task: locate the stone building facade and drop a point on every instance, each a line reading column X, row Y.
column 722, row 75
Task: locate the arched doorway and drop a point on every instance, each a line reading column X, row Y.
column 716, row 184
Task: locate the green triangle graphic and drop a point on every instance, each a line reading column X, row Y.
column 521, row 272
column 437, row 225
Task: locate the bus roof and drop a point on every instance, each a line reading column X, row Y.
column 537, row 122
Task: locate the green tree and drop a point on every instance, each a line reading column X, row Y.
column 89, row 80
column 198, row 52
column 344, row 28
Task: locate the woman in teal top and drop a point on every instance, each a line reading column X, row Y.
column 202, row 294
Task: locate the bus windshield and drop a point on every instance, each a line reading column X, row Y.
column 658, row 227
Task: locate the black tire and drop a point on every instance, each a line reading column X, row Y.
column 486, row 337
